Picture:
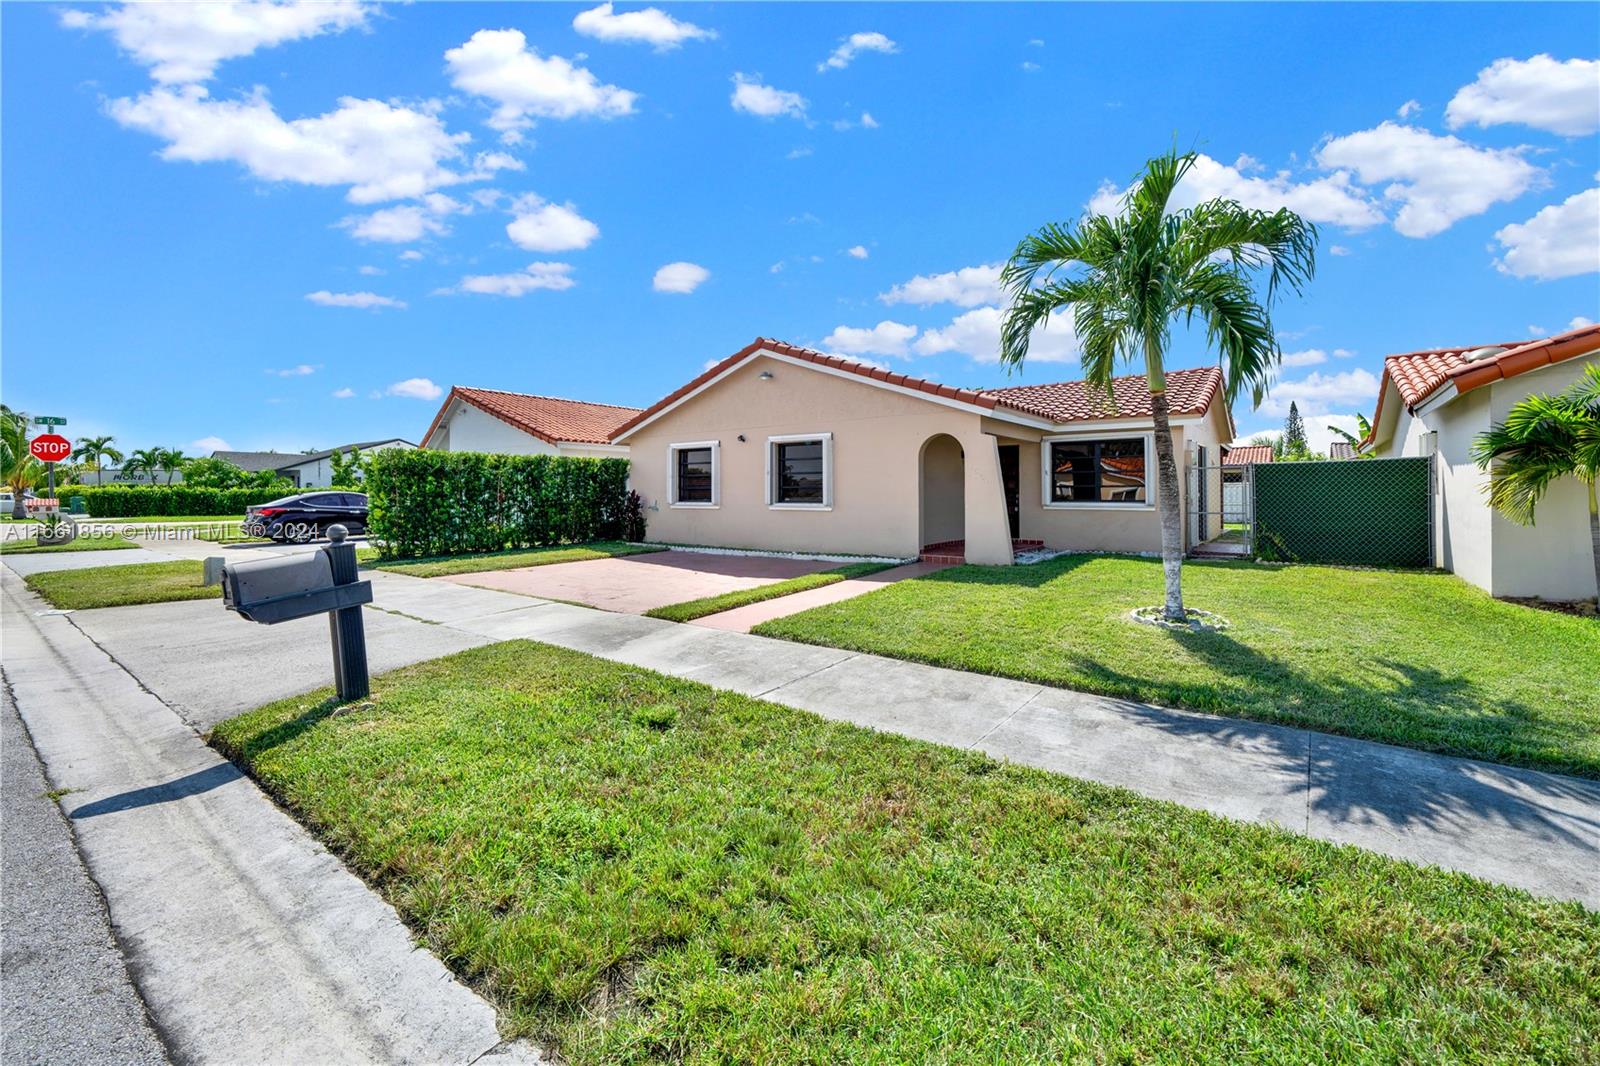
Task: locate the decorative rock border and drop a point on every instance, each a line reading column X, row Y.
column 1199, row 621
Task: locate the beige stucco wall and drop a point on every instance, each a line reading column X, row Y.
column 878, row 438
column 943, row 490
column 468, row 429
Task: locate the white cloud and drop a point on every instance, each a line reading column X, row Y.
column 1578, row 322
column 1540, row 92
column 553, row 276
column 976, row 333
column 650, row 26
column 967, row 287
column 854, row 45
column 343, row 394
column 294, row 371
column 867, row 121
column 415, row 389
column 799, row 153
column 753, row 97
column 1029, row 65
column 1561, row 241
column 1318, row 393
column 1538, row 331
column 857, row 252
column 680, row 277
column 395, row 225
column 1308, row 357
column 1409, row 108
column 1338, row 249
column 1333, row 198
column 1342, row 353
column 186, row 42
column 363, row 300
column 1436, row 180
column 370, row 271
column 886, row 338
column 210, row 444
column 1320, row 434
column 411, row 255
column 500, row 65
column 382, row 151
column 540, row 226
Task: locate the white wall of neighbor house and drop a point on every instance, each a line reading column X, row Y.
column 875, row 504
column 469, row 429
column 319, row 473
column 1551, row 559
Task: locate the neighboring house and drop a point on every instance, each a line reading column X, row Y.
column 778, row 447
column 515, row 423
column 1435, row 403
column 1247, row 454
column 308, row 470
column 113, row 475
column 1235, row 502
column 1341, row 449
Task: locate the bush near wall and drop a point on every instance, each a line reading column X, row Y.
column 151, row 501
column 427, row 503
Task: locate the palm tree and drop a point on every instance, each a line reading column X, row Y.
column 172, row 460
column 1363, row 431
column 94, row 449
column 19, row 470
column 143, row 461
column 1543, row 439
column 1127, row 278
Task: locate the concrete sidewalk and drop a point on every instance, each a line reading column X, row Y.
column 249, row 940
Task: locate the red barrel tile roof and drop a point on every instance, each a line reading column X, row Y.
column 547, row 417
column 1245, row 454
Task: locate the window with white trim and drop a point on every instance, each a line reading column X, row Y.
column 800, row 471
column 693, row 473
column 1083, row 471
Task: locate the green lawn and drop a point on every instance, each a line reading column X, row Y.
column 637, row 868
column 152, row 520
column 28, row 545
column 1419, row 659
column 438, row 566
column 727, row 601
column 119, row 586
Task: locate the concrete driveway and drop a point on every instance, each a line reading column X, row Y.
column 637, row 583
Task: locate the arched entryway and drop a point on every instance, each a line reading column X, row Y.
column 943, row 496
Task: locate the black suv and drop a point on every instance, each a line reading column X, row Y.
column 307, row 516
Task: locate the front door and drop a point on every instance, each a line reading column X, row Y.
column 1010, row 467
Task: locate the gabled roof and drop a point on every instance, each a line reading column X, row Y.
column 1189, row 391
column 1341, row 449
column 360, row 446
column 551, row 419
column 1417, row 376
column 254, row 462
column 1245, row 454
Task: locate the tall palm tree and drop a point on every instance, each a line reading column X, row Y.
column 172, row 460
column 143, row 461
column 94, row 450
column 19, row 470
column 1127, row 278
column 1544, row 439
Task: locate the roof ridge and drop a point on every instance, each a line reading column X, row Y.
column 543, row 396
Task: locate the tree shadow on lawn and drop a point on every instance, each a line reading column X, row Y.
column 282, row 733
column 1369, row 782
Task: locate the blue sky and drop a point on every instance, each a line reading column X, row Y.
column 289, row 227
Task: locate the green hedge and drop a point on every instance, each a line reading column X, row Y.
column 427, row 503
column 150, row 501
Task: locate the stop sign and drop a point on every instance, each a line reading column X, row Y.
column 50, row 447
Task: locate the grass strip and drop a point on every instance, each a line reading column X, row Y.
column 640, row 868
column 29, row 546
column 121, row 586
column 479, row 562
column 727, row 601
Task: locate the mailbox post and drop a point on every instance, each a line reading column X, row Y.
column 326, row 581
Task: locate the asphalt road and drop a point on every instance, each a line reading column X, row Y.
column 65, row 996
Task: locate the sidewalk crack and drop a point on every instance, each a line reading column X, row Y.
column 1015, row 711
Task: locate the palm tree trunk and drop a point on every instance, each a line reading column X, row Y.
column 1167, row 503
column 1594, row 538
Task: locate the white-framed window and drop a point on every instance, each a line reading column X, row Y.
column 694, row 474
column 800, row 472
column 1103, row 470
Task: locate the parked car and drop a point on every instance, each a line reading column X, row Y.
column 306, row 516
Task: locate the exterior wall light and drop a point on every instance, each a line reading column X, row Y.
column 765, row 375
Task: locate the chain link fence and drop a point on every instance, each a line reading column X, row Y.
column 1358, row 512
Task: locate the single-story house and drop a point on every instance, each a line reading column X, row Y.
column 1235, row 500
column 516, row 423
column 1435, row 403
column 308, row 470
column 1341, row 449
column 783, row 448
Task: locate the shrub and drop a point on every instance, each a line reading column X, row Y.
column 151, row 501
column 633, row 520
column 426, row 503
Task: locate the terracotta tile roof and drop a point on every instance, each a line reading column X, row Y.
column 1245, row 454
column 1189, row 391
column 1418, row 375
column 547, row 417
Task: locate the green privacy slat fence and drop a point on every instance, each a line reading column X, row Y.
column 1361, row 512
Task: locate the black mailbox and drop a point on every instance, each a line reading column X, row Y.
column 325, row 581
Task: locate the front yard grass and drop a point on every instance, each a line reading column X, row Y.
column 1419, row 659
column 727, row 601
column 438, row 566
column 121, row 586
column 30, row 546
column 639, row 868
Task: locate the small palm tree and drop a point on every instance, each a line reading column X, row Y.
column 1544, row 439
column 145, row 461
column 19, row 470
column 172, row 460
column 1127, row 278
column 95, row 450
